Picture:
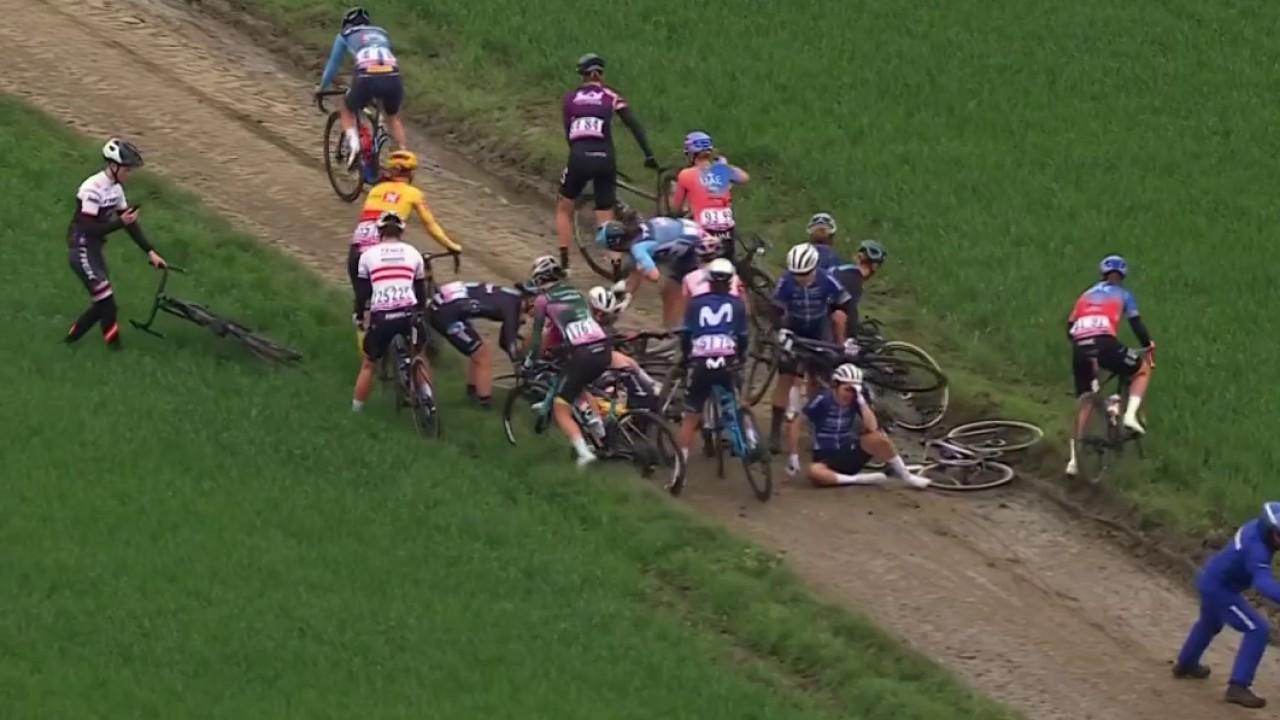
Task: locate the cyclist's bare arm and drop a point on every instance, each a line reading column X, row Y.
column 434, row 229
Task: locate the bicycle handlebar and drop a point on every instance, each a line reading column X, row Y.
column 322, row 94
column 457, row 258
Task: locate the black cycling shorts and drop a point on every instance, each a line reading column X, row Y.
column 681, row 266
column 365, row 88
column 453, row 321
column 595, row 165
column 1103, row 351
column 703, row 380
column 87, row 262
column 382, row 327
column 583, row 365
column 848, row 461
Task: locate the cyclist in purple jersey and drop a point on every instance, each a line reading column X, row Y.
column 588, row 127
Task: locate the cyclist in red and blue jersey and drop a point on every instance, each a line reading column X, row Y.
column 588, row 127
column 811, row 304
column 660, row 241
column 1092, row 328
column 1245, row 562
column 376, row 77
column 707, row 186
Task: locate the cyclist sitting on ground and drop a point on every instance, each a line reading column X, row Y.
column 376, row 77
column 714, row 342
column 101, row 209
column 564, row 328
column 588, row 126
column 396, row 194
column 846, row 435
column 391, row 278
column 1092, row 328
column 822, row 235
column 811, row 304
column 707, row 185
column 455, row 305
column 871, row 255
column 657, row 241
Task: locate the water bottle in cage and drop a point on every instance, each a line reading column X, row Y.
column 591, row 419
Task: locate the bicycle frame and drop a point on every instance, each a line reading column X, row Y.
column 730, row 420
column 160, row 303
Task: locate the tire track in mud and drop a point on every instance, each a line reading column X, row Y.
column 1026, row 604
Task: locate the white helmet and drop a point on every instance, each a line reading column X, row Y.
column 122, row 152
column 847, row 374
column 603, row 300
column 802, row 258
column 720, row 269
column 546, row 270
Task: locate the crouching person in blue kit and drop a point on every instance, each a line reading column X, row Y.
column 1244, row 562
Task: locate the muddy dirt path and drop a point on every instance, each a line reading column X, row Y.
column 1026, row 604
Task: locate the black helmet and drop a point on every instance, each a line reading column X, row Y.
column 122, row 152
column 355, row 16
column 390, row 222
column 590, row 62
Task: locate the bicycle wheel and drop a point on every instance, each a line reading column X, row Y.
column 954, row 478
column 426, row 412
column 643, row 438
column 760, row 286
column 1100, row 448
column 346, row 183
column 757, row 465
column 900, row 374
column 915, row 410
column 712, row 432
column 261, row 346
column 996, row 435
column 194, row 312
column 671, row 403
column 517, row 417
column 761, row 371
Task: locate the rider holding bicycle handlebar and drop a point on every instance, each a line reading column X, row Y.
column 455, row 305
column 665, row 241
column 714, row 342
column 376, row 77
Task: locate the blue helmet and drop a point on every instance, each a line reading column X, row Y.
column 1113, row 263
column 1270, row 517
column 611, row 235
column 697, row 142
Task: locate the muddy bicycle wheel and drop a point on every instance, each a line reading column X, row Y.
column 985, row 436
column 517, row 416
column 900, row 374
column 426, row 412
column 968, row 478
column 643, row 438
column 914, row 410
column 761, row 370
column 611, row 266
column 346, row 182
column 757, row 464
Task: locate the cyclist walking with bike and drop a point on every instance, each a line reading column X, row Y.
column 376, row 77
column 101, row 209
column 707, row 186
column 391, row 279
column 588, row 112
column 1092, row 328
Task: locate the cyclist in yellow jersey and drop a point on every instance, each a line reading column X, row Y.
column 394, row 193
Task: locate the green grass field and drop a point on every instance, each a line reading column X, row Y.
column 191, row 534
column 999, row 149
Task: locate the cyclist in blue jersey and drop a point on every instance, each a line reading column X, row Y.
column 669, row 242
column 376, row 77
column 811, row 304
column 846, row 436
column 822, row 235
column 714, row 342
column 871, row 255
column 1245, row 562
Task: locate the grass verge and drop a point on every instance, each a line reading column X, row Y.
column 191, row 533
column 1000, row 149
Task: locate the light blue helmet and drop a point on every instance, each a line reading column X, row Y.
column 1270, row 517
column 697, row 142
column 1113, row 263
column 611, row 235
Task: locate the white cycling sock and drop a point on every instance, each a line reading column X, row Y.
column 1073, row 451
column 684, row 453
column 1131, row 411
column 866, row 478
column 356, row 405
column 353, row 140
column 584, row 450
column 899, row 467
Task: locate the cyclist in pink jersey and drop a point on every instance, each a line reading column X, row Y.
column 707, row 187
column 698, row 282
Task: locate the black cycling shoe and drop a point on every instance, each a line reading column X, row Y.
column 1243, row 696
column 1194, row 672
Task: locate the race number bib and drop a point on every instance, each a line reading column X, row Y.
column 583, row 332
column 714, row 346
column 366, row 234
column 716, row 218
column 391, row 297
column 375, row 59
column 1091, row 325
column 586, row 127
column 450, row 292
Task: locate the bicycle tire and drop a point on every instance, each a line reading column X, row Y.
column 261, row 346
column 899, row 375
column 661, row 444
column 760, row 286
column 671, row 402
column 952, row 478
column 985, row 436
column 584, row 237
column 335, row 161
column 527, row 392
column 426, row 412
column 926, row 408
column 760, row 373
column 192, row 312
column 712, row 433
column 760, row 480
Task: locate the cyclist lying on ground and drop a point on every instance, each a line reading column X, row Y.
column 395, row 194
column 391, row 279
column 564, row 329
column 707, row 186
column 846, row 435
column 606, row 305
column 713, row 344
column 455, row 305
column 811, row 304
column 668, row 242
column 376, row 77
column 1092, row 328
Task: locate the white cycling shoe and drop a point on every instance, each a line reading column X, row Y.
column 1132, row 424
column 353, row 152
column 1072, row 468
column 918, row 482
column 585, row 460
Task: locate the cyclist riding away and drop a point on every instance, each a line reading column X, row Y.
column 871, row 255
column 101, row 209
column 395, row 194
column 376, row 77
column 669, row 242
column 588, row 126
column 846, row 436
column 714, row 343
column 455, row 305
column 1092, row 328
column 707, row 186
column 564, row 328
column 811, row 304
column 391, row 278
column 822, row 235
column 1245, row 562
